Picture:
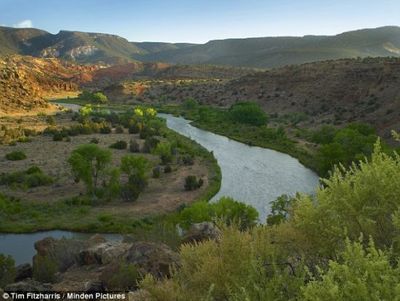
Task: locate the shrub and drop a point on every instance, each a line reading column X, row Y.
column 119, row 130
column 134, row 146
column 167, row 169
column 134, row 129
column 7, row 270
column 15, row 156
column 187, row 159
column 119, row 145
column 249, row 113
column 58, row 136
column 164, row 150
column 44, row 269
column 30, row 178
column 156, row 172
column 150, row 144
column 94, row 141
column 192, row 183
column 50, row 120
column 105, row 129
column 121, row 277
column 135, row 168
column 225, row 209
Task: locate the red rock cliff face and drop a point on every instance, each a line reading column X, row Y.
column 25, row 81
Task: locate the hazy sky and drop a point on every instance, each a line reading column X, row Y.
column 200, row 20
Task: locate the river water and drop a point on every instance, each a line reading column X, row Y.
column 253, row 175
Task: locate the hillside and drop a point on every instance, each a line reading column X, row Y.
column 25, row 81
column 279, row 51
column 265, row 52
column 330, row 92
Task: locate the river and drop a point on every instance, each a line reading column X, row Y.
column 253, row 175
column 250, row 174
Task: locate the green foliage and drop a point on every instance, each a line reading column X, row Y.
column 15, row 156
column 7, row 270
column 280, row 210
column 190, row 104
column 164, row 150
column 156, row 172
column 120, row 277
column 344, row 146
column 119, row 145
column 30, row 178
column 135, row 167
column 248, row 113
column 89, row 164
column 97, row 97
column 50, row 120
column 359, row 274
column 226, row 209
column 361, row 199
column 192, row 183
column 44, row 269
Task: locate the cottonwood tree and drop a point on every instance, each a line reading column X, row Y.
column 89, row 163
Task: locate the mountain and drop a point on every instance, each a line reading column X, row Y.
column 71, row 45
column 266, row 52
column 280, row 51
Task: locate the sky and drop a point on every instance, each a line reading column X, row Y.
column 199, row 21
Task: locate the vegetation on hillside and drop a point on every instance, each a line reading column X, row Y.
column 341, row 244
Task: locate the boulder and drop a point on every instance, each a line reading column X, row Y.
column 23, row 271
column 64, row 252
column 103, row 253
column 28, row 286
column 201, row 231
column 153, row 258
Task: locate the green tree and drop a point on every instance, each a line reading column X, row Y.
column 136, row 168
column 89, row 163
column 100, row 98
column 248, row 113
column 360, row 274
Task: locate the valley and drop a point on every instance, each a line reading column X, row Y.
column 239, row 169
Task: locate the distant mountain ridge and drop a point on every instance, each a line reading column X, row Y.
column 265, row 52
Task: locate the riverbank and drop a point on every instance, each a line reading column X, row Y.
column 61, row 206
column 215, row 120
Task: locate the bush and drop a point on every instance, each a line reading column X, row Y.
column 30, row 178
column 120, row 277
column 15, row 156
column 58, row 136
column 119, row 130
column 44, row 269
column 7, row 270
column 135, row 168
column 248, row 113
column 119, row 145
column 226, row 209
column 191, row 183
column 50, row 120
column 150, row 144
column 156, row 172
column 134, row 129
column 187, row 159
column 164, row 150
column 168, row 169
column 134, row 146
column 94, row 141
column 105, row 129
